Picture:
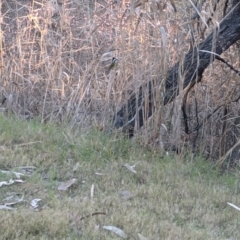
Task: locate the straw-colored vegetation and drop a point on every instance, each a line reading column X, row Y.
column 180, row 197
column 58, row 97
column 55, row 57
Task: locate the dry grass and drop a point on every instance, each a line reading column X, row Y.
column 51, row 67
column 180, row 197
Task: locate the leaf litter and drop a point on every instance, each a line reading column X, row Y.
column 66, row 185
column 7, row 205
column 116, row 230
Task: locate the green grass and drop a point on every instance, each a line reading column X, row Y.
column 173, row 197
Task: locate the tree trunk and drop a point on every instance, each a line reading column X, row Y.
column 194, row 64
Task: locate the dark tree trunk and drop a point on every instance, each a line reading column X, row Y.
column 194, row 64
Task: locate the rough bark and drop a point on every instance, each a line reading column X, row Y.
column 192, row 68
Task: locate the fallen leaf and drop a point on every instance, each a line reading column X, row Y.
column 234, row 206
column 99, row 174
column 17, row 174
column 92, row 191
column 141, row 237
column 19, row 181
column 6, row 183
column 65, row 185
column 13, row 197
column 131, row 168
column 116, row 230
column 34, row 203
column 76, row 167
column 10, row 182
column 5, row 207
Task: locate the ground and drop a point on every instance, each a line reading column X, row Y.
column 174, row 197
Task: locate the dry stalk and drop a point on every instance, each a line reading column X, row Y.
column 50, row 66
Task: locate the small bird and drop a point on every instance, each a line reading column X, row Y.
column 113, row 64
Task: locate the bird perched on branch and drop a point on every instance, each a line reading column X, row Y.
column 113, row 64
